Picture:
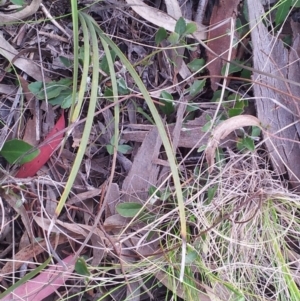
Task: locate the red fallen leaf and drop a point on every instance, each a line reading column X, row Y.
column 45, row 283
column 29, row 169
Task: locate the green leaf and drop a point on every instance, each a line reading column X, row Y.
column 239, row 105
column 165, row 194
column 241, row 28
column 18, row 2
column 246, row 74
column 104, row 64
column 59, row 100
column 247, row 143
column 191, row 257
column 173, row 38
column 206, row 127
column 190, row 28
column 180, row 26
column 124, row 148
column 232, row 68
column 110, row 149
column 153, row 190
column 128, row 209
column 108, row 93
column 35, row 87
column 255, row 131
column 287, row 40
column 201, row 148
column 81, row 267
column 217, row 95
column 14, row 150
column 167, row 99
column 67, row 62
column 160, row 35
column 147, row 116
column 235, row 112
column 53, row 89
column 282, row 11
column 67, row 101
column 196, row 87
column 211, row 192
column 296, row 3
column 239, row 102
column 196, row 65
column 81, row 54
column 246, row 13
column 122, row 86
column 192, row 107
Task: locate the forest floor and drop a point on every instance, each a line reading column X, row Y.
column 149, row 150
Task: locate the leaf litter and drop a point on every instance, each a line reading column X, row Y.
column 130, row 250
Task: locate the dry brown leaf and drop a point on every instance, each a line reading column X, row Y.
column 84, row 195
column 162, row 19
column 76, row 228
column 115, row 222
column 191, row 134
column 21, row 14
column 25, row 65
column 173, row 9
column 144, row 172
column 26, row 92
column 177, row 55
column 30, row 132
column 223, row 130
column 148, row 248
column 112, row 198
column 16, row 203
column 7, row 89
column 218, row 38
column 44, row 223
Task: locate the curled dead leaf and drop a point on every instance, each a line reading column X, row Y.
column 223, row 130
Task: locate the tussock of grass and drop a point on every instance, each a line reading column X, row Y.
column 249, row 252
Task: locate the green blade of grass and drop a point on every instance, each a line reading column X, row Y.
column 290, row 283
column 115, row 95
column 86, row 62
column 90, row 115
column 163, row 135
column 76, row 53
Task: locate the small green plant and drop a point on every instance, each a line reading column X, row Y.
column 132, row 209
column 122, row 148
column 56, row 92
column 167, row 100
column 163, row 195
column 178, row 40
